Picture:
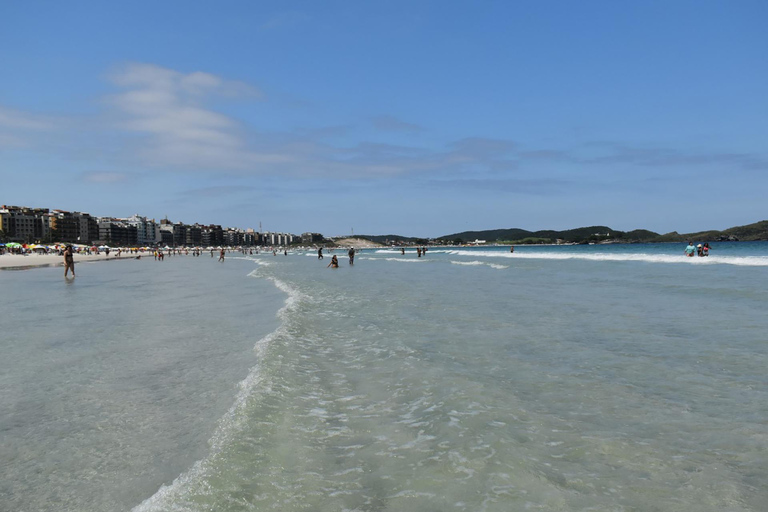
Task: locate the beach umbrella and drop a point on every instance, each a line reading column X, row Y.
column 13, row 245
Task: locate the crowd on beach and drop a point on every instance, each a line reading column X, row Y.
column 58, row 249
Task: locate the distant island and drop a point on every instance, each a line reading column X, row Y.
column 585, row 235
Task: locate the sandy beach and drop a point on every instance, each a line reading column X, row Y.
column 49, row 260
column 359, row 243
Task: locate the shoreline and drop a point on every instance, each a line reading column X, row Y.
column 20, row 262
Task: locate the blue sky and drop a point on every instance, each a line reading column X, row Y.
column 419, row 118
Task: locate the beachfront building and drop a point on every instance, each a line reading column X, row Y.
column 279, row 239
column 179, row 231
column 166, row 237
column 147, row 230
column 24, row 224
column 251, row 237
column 65, row 226
column 194, row 235
column 212, row 235
column 28, row 225
column 179, row 234
column 87, row 227
column 116, row 232
column 311, row 238
column 232, row 237
column 5, row 220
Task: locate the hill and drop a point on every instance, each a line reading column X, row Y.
column 521, row 236
column 750, row 232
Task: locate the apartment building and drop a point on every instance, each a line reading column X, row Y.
column 23, row 224
column 147, row 230
column 194, row 235
column 116, row 232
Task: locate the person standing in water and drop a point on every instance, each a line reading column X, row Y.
column 334, row 262
column 690, row 250
column 320, row 253
column 351, row 254
column 69, row 261
column 221, row 255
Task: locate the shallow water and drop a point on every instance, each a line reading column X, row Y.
column 554, row 378
column 113, row 383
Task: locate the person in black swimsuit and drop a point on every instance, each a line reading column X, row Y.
column 69, row 261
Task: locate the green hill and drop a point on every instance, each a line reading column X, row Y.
column 517, row 235
column 756, row 231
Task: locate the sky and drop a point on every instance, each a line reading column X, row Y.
column 417, row 118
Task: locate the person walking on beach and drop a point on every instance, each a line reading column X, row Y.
column 334, row 262
column 690, row 250
column 351, row 254
column 69, row 261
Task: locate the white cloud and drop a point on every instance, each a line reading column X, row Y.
column 168, row 107
column 104, row 177
column 16, row 127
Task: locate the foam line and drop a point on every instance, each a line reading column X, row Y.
column 749, row 261
column 163, row 499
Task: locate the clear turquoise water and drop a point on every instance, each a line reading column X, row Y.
column 554, row 378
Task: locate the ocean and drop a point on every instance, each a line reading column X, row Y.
column 568, row 378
